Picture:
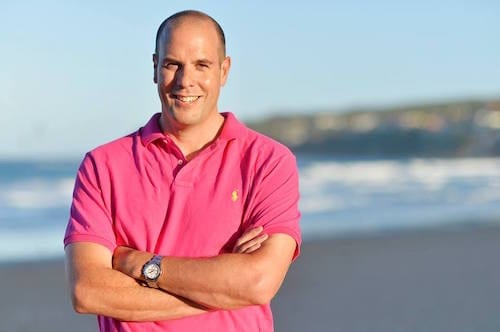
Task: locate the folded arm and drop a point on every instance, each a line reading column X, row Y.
column 98, row 289
column 227, row 281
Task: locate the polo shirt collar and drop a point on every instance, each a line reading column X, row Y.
column 152, row 131
column 232, row 129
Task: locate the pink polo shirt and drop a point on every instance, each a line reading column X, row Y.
column 140, row 191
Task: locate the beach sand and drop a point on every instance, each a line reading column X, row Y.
column 439, row 280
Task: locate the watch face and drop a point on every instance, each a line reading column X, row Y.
column 152, row 271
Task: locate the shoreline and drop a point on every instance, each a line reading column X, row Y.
column 420, row 280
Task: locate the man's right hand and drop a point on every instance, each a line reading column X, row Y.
column 250, row 241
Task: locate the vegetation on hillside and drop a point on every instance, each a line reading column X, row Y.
column 452, row 129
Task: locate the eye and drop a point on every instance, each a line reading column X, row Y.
column 171, row 66
column 203, row 65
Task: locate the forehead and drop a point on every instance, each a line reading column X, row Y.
column 194, row 34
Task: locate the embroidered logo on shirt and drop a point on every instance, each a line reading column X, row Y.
column 234, row 195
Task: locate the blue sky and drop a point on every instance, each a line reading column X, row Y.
column 74, row 74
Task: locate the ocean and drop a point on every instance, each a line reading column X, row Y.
column 339, row 197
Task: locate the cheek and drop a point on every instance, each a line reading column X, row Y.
column 165, row 77
column 165, row 82
column 210, row 83
column 207, row 83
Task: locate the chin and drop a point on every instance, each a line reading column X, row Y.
column 187, row 118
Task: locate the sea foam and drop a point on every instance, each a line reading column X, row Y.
column 338, row 197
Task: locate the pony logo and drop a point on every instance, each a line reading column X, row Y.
column 234, row 195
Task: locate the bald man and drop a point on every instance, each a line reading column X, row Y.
column 191, row 222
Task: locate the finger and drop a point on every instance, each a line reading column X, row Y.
column 252, row 248
column 255, row 241
column 249, row 235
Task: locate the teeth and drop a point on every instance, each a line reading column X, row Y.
column 187, row 99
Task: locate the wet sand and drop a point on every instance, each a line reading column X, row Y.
column 440, row 280
column 423, row 281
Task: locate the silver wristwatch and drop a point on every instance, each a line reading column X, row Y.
column 151, row 271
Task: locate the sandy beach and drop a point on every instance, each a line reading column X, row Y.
column 439, row 280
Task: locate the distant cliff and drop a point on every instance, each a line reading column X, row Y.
column 452, row 129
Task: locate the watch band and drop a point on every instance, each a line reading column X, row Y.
column 156, row 259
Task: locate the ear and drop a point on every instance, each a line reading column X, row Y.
column 224, row 72
column 155, row 67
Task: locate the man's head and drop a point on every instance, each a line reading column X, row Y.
column 190, row 67
column 174, row 19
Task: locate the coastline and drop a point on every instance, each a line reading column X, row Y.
column 427, row 280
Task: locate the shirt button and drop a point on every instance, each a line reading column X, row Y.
column 180, row 162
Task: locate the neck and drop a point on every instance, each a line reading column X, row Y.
column 192, row 139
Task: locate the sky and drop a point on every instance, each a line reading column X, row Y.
column 77, row 74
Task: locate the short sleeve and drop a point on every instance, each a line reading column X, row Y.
column 276, row 198
column 90, row 219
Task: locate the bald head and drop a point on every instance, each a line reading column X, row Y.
column 170, row 23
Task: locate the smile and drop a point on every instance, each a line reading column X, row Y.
column 186, row 99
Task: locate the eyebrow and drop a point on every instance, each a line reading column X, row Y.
column 168, row 59
column 209, row 62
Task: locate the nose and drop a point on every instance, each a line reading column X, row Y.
column 184, row 77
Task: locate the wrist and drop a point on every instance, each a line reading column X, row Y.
column 130, row 261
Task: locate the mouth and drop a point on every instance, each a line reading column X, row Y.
column 186, row 99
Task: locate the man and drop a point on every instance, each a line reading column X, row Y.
column 190, row 223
